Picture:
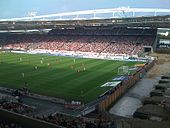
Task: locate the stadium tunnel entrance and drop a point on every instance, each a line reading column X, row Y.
column 148, row 49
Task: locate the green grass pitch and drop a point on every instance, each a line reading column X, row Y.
column 57, row 76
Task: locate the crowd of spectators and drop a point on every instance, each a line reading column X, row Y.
column 77, row 122
column 58, row 119
column 16, row 107
column 130, row 45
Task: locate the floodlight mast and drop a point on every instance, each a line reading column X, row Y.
column 121, row 12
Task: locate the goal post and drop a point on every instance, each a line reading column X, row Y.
column 123, row 70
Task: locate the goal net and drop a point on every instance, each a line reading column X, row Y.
column 123, row 70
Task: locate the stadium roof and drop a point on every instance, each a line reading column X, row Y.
column 153, row 21
column 118, row 17
column 121, row 12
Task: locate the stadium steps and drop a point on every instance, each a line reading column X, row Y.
column 82, row 46
column 105, row 48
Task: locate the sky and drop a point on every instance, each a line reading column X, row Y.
column 21, row 8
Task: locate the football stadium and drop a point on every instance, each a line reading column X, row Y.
column 82, row 70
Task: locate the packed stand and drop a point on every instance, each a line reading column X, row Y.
column 16, row 107
column 67, row 40
column 77, row 122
